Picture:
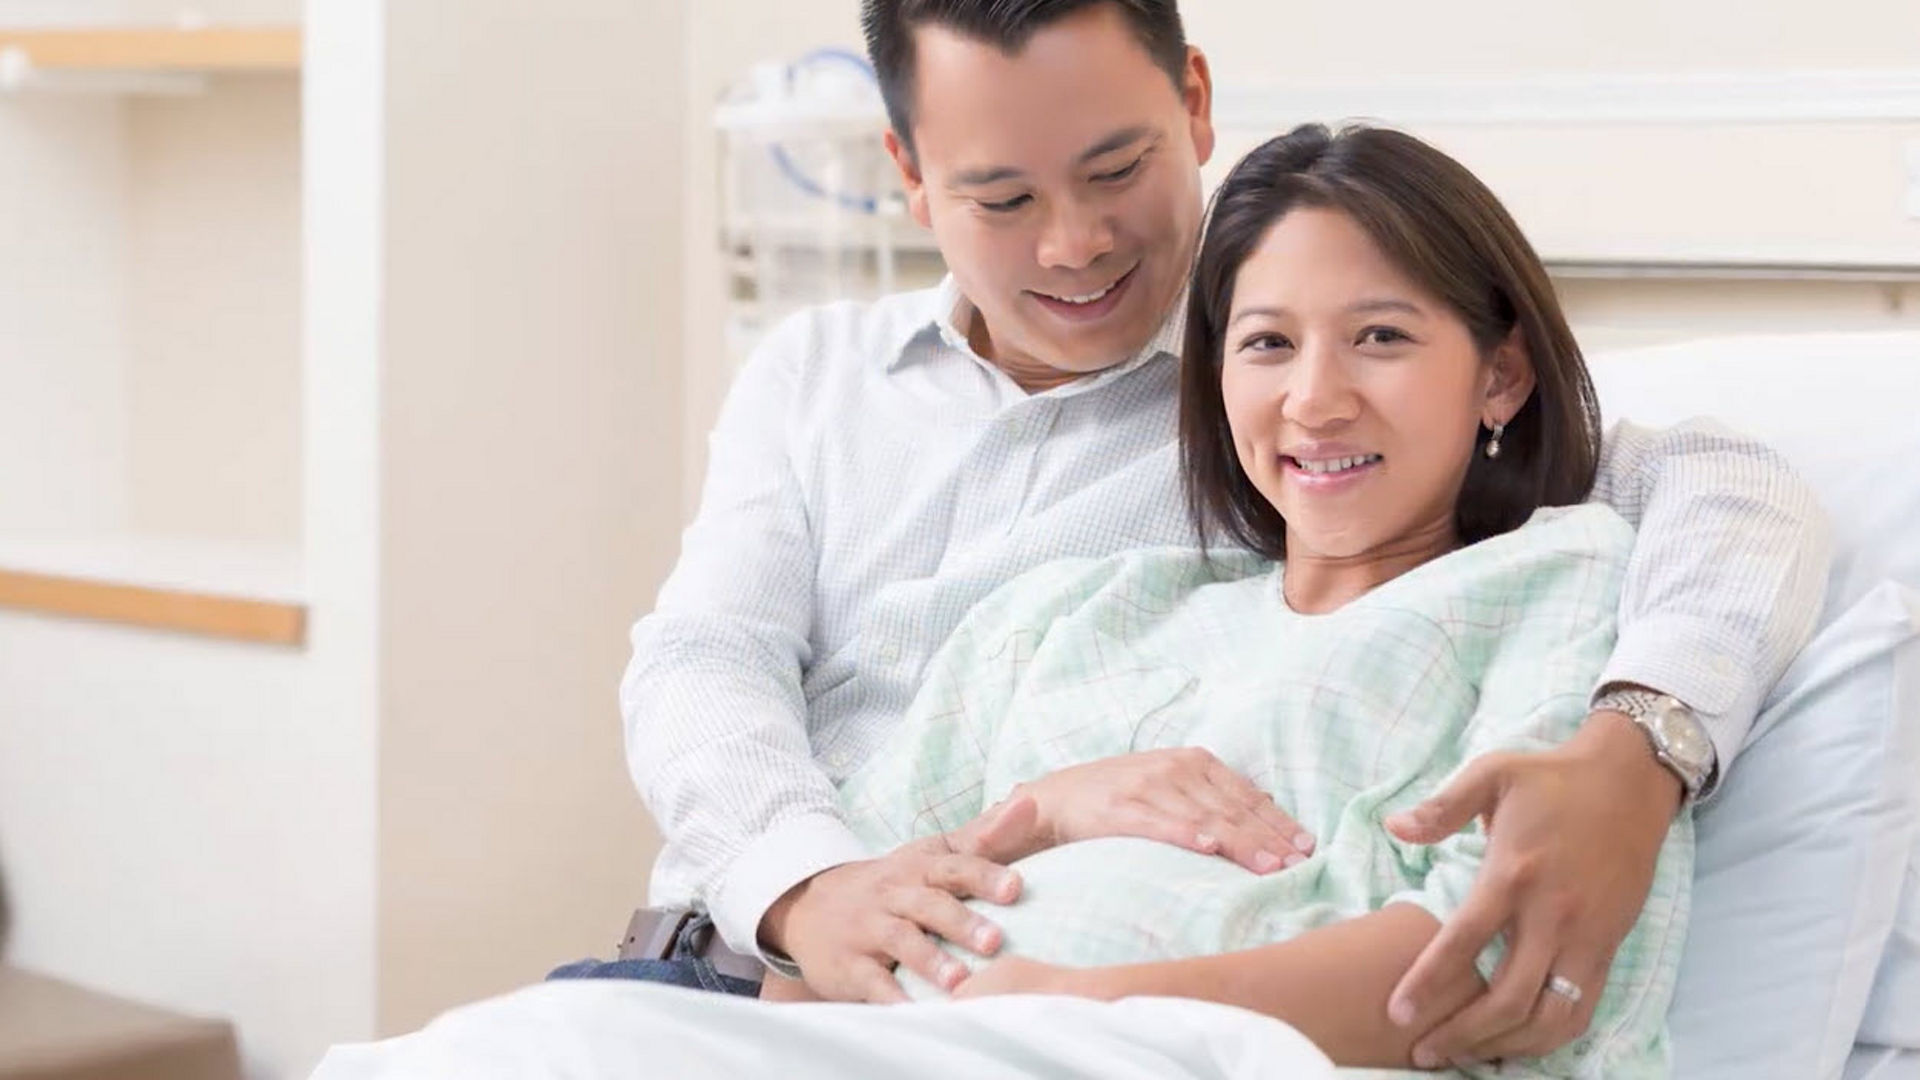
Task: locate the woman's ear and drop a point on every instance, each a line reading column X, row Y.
column 1509, row 378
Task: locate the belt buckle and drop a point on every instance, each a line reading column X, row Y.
column 652, row 933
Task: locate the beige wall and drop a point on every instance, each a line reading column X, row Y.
column 724, row 41
column 1589, row 191
column 63, row 341
column 529, row 449
column 1257, row 41
column 214, row 312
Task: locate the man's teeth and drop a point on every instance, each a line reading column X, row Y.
column 1087, row 299
column 1335, row 465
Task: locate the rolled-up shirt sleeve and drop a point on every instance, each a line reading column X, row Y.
column 716, row 720
column 1727, row 575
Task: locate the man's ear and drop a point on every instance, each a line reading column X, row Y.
column 910, row 179
column 1197, row 93
column 1510, row 378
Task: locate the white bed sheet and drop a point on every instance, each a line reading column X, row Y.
column 586, row 1030
column 1882, row 1063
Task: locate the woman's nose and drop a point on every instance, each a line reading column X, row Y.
column 1319, row 389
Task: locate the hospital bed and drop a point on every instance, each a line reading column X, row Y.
column 1803, row 957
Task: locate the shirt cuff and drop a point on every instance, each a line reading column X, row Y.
column 782, row 857
column 1674, row 655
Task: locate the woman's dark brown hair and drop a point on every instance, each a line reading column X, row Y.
column 1441, row 227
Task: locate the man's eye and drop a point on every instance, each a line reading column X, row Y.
column 1120, row 174
column 1007, row 206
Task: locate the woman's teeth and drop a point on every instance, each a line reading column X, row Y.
column 1335, row 465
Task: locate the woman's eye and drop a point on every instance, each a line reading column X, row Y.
column 1007, row 206
column 1382, row 335
column 1265, row 343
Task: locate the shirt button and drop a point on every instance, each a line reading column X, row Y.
column 1724, row 666
column 838, row 759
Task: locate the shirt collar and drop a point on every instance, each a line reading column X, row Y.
column 948, row 312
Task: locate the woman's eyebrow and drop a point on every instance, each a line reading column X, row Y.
column 1369, row 307
column 1363, row 307
column 1256, row 312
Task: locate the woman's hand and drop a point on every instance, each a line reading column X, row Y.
column 1015, row 975
column 1185, row 797
column 1574, row 835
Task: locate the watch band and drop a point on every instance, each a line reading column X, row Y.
column 1640, row 706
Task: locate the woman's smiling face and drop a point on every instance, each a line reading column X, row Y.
column 1354, row 396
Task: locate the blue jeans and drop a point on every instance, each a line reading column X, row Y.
column 682, row 968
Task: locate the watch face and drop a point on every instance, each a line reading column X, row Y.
column 1686, row 741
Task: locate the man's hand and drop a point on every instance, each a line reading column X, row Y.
column 1574, row 834
column 849, row 926
column 1185, row 797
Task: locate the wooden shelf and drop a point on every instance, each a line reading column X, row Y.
column 240, row 591
column 263, row 621
column 208, row 51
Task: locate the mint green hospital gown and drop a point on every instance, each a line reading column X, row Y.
column 1344, row 718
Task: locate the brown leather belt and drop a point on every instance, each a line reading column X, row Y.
column 682, row 933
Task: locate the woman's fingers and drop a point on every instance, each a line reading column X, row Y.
column 1291, row 837
column 1221, row 826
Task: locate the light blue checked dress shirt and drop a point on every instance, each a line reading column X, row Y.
column 1344, row 718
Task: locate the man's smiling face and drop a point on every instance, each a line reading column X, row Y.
column 1062, row 182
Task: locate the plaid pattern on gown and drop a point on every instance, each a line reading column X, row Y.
column 1344, row 717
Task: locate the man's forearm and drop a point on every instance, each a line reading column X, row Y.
column 1331, row 984
column 1727, row 574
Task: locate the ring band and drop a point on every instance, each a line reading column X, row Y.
column 1565, row 987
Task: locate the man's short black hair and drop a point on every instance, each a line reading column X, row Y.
column 890, row 24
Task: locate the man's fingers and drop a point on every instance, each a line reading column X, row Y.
column 1556, row 1020
column 938, row 912
column 1506, row 1007
column 876, row 984
column 915, row 951
column 971, row 876
column 1470, row 795
column 1004, row 834
column 1452, row 950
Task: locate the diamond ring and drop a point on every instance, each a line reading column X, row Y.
column 1565, row 987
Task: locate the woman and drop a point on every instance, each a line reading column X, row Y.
column 1382, row 403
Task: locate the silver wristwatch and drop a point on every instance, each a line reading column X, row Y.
column 1679, row 739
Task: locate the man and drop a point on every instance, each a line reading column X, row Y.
column 878, row 469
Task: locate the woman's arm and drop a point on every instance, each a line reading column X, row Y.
column 1331, row 984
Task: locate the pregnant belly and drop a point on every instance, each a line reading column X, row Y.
column 1118, row 900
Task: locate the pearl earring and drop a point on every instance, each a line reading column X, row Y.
column 1493, row 444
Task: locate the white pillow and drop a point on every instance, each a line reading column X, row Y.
column 1800, row 859
column 1893, row 1012
column 1844, row 409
